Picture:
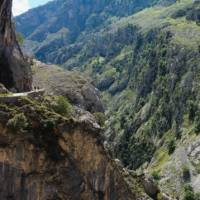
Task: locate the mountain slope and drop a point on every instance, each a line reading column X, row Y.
column 63, row 22
column 48, row 148
column 150, row 83
column 147, row 67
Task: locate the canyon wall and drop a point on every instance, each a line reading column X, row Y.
column 14, row 70
column 69, row 164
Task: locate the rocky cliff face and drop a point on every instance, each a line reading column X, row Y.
column 147, row 66
column 46, row 155
column 84, row 172
column 75, row 86
column 14, row 71
column 51, row 157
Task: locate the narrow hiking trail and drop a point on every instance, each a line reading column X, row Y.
column 15, row 96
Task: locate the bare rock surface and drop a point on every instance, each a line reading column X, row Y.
column 182, row 168
column 73, row 85
column 14, row 70
column 57, row 158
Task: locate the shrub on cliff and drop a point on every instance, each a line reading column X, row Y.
column 18, row 122
column 62, row 106
column 159, row 196
column 156, row 175
column 197, row 196
column 171, row 147
column 197, row 122
column 186, row 173
column 100, row 117
column 188, row 193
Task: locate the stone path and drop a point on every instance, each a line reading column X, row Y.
column 11, row 98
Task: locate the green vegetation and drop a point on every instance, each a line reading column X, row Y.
column 197, row 196
column 20, row 38
column 159, row 196
column 197, row 121
column 197, row 167
column 190, row 194
column 144, row 65
column 62, row 106
column 147, row 67
column 156, row 175
column 186, row 173
column 100, row 117
column 171, row 146
column 18, row 122
column 161, row 157
column 55, row 35
column 37, row 119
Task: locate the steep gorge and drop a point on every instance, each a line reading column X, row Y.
column 62, row 161
column 147, row 68
column 50, row 149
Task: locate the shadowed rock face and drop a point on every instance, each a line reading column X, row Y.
column 14, row 71
column 83, row 171
column 50, row 157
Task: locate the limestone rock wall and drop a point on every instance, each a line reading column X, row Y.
column 84, row 172
column 14, row 70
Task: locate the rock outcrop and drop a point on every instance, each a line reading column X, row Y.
column 45, row 155
column 55, row 158
column 14, row 71
column 73, row 85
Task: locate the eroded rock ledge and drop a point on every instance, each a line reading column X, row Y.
column 56, row 158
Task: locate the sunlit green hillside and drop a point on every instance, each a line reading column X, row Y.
column 147, row 66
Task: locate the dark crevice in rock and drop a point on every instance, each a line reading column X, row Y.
column 5, row 73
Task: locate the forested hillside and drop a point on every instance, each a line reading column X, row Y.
column 51, row 148
column 64, row 23
column 146, row 63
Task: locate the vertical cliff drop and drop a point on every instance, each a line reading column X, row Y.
column 14, row 71
column 46, row 155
